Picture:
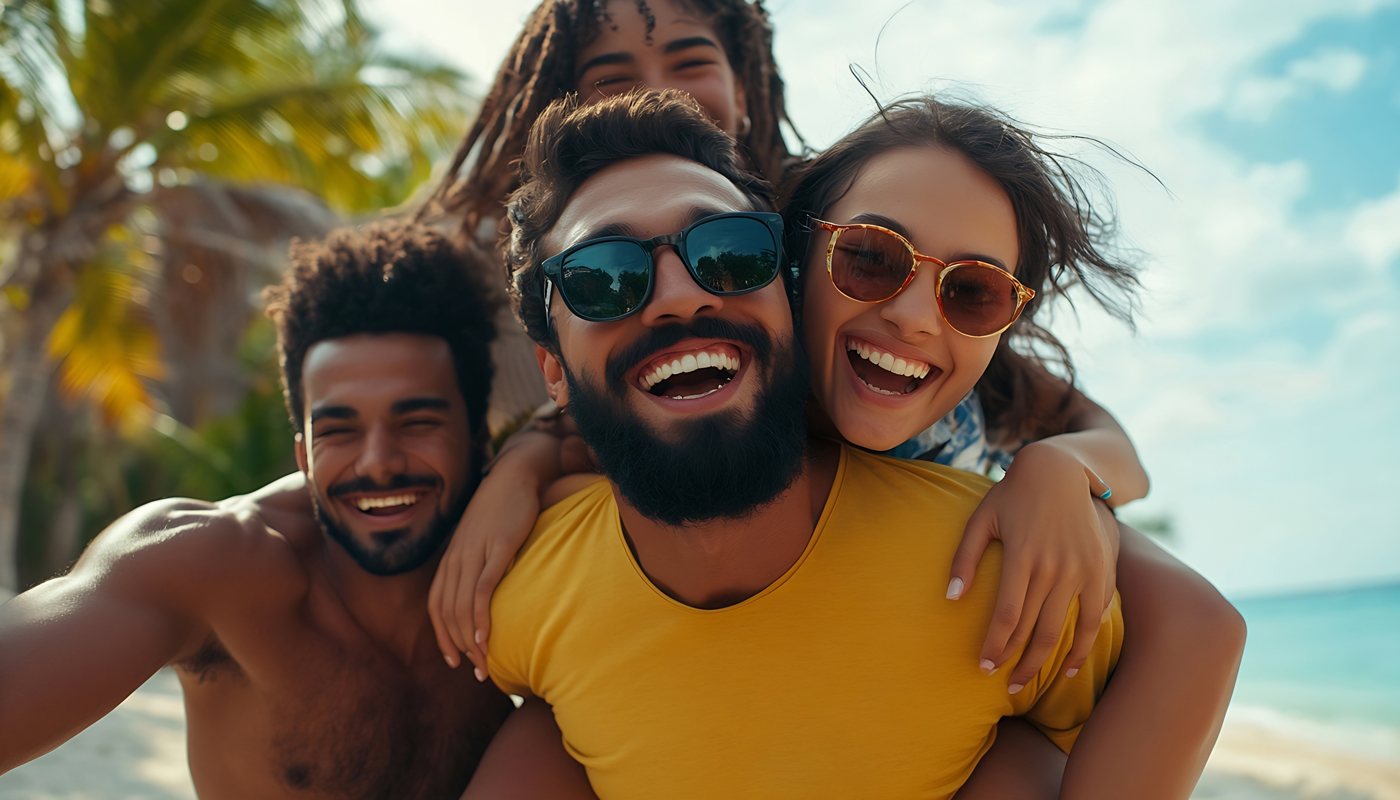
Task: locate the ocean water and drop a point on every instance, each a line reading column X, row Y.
column 1325, row 666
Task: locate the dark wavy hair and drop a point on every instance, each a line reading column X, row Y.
column 571, row 142
column 389, row 277
column 539, row 69
column 1066, row 238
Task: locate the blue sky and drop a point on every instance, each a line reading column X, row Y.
column 1263, row 383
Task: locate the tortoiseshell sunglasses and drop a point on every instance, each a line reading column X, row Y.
column 871, row 264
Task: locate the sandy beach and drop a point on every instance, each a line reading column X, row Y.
column 138, row 751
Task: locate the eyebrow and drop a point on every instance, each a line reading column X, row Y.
column 333, row 412
column 413, row 404
column 624, row 57
column 692, row 216
column 885, row 222
column 407, row 406
column 689, row 42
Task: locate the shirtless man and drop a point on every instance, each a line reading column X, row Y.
column 305, row 650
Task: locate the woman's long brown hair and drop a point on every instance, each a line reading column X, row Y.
column 1066, row 237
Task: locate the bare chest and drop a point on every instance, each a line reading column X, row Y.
column 316, row 718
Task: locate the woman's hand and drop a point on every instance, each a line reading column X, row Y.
column 497, row 521
column 1055, row 549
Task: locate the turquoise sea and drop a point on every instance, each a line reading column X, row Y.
column 1325, row 666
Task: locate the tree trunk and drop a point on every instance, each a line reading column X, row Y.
column 30, row 373
column 66, row 526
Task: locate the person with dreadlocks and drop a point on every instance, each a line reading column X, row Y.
column 721, row 53
column 718, row 51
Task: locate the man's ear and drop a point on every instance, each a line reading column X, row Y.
column 299, row 447
column 553, row 370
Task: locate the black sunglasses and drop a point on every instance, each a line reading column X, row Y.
column 606, row 279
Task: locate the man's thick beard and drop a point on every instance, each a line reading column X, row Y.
column 396, row 558
column 719, row 466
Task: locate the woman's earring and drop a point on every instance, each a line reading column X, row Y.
column 745, row 125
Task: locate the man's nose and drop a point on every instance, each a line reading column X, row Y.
column 381, row 458
column 914, row 311
column 675, row 296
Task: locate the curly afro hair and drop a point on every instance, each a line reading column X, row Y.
column 388, row 277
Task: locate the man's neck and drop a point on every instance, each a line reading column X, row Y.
column 392, row 610
column 720, row 563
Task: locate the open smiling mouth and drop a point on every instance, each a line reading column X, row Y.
column 884, row 373
column 692, row 374
column 385, row 506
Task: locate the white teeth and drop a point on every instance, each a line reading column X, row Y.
column 366, row 503
column 689, row 363
column 887, row 362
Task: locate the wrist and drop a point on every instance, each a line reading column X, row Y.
column 1044, row 460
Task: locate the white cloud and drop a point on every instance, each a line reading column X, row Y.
column 1337, row 70
column 1375, row 230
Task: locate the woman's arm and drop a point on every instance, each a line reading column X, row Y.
column 1095, row 439
column 525, row 477
column 1044, row 513
column 1151, row 732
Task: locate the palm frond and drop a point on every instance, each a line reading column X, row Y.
column 105, row 343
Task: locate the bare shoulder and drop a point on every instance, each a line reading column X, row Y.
column 189, row 546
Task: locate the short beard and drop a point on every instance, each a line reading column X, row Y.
column 398, row 556
column 719, row 466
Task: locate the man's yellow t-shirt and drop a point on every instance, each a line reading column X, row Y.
column 850, row 676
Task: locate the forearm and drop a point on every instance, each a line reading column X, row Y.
column 1096, row 439
column 65, row 662
column 529, row 461
column 1151, row 732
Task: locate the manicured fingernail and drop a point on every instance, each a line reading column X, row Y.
column 448, row 659
column 988, row 667
column 955, row 587
column 480, row 637
column 480, row 676
column 1070, row 673
column 1014, row 688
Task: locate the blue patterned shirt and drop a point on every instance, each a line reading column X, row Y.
column 959, row 440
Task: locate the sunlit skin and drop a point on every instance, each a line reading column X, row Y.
column 962, row 214
column 294, row 661
column 405, row 417
column 646, row 197
column 683, row 52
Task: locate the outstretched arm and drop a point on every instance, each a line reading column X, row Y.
column 73, row 648
column 1153, row 728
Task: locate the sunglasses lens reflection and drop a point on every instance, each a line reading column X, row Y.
column 732, row 254
column 605, row 280
column 869, row 265
column 977, row 300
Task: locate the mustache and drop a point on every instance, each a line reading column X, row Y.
column 755, row 337
column 365, row 484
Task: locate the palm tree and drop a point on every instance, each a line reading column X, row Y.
column 109, row 107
